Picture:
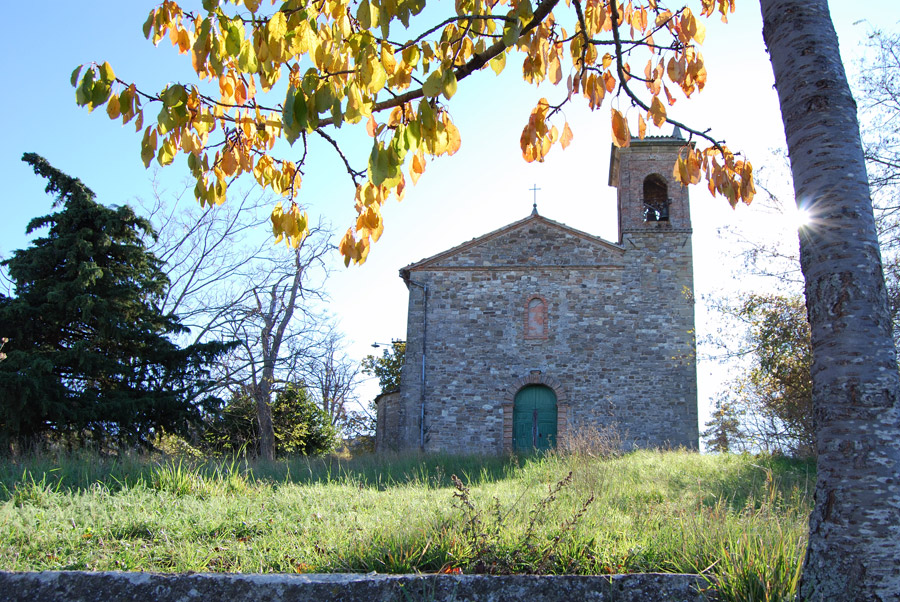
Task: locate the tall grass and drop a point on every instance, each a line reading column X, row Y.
column 739, row 520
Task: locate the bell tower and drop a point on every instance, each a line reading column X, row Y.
column 649, row 198
column 655, row 234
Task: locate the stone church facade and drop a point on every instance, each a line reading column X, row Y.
column 521, row 337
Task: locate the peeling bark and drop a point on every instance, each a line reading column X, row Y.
column 854, row 531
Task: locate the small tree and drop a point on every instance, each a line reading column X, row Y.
column 300, row 426
column 723, row 431
column 88, row 350
column 387, row 367
column 772, row 400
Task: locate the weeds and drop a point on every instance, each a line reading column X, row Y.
column 490, row 550
column 31, row 492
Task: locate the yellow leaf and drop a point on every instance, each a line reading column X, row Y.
column 607, row 60
column 566, row 138
column 453, row 138
column 675, row 70
column 748, row 189
column 642, row 126
column 148, row 146
column 664, row 18
column 620, row 133
column 555, row 70
column 498, row 63
column 669, row 96
column 112, row 107
column 448, row 84
column 700, row 35
column 680, row 173
column 657, row 112
column 396, row 117
column 106, row 73
column 387, row 59
column 347, row 247
column 433, row 84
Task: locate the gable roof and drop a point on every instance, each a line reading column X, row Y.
column 531, row 220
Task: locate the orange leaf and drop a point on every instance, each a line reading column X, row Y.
column 642, row 126
column 669, row 96
column 418, row 166
column 675, row 70
column 620, row 133
column 370, row 126
column 609, row 81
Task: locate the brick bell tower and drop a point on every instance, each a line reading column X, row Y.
column 655, row 231
column 649, row 198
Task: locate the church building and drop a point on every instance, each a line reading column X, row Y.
column 521, row 337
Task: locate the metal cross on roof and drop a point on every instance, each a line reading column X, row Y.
column 534, row 189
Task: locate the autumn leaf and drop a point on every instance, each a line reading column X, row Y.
column 417, row 168
column 498, row 63
column 657, row 112
column 620, row 133
column 340, row 70
column 448, row 84
column 433, row 84
column 555, row 70
column 566, row 139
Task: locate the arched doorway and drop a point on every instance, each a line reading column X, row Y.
column 534, row 419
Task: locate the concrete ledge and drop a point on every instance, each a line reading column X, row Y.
column 79, row 586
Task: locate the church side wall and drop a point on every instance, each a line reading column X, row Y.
column 409, row 405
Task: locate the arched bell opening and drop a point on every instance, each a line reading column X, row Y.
column 656, row 199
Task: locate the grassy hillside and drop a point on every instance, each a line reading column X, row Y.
column 740, row 519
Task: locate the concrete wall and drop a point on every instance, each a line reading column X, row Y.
column 78, row 586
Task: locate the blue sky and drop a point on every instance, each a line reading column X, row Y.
column 483, row 187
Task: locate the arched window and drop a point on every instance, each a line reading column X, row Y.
column 656, row 199
column 536, row 318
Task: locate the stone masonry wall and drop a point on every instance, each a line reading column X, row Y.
column 612, row 332
column 613, row 339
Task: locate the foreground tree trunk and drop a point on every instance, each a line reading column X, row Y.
column 854, row 530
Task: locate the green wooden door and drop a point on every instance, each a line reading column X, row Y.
column 534, row 419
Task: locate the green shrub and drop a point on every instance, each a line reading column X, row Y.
column 301, row 427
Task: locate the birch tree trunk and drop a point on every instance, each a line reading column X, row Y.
column 854, row 530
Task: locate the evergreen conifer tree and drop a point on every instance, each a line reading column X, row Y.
column 89, row 354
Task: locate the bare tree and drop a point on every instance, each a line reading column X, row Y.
column 229, row 283
column 333, row 376
column 207, row 253
column 275, row 325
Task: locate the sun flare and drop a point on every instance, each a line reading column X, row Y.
column 799, row 218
